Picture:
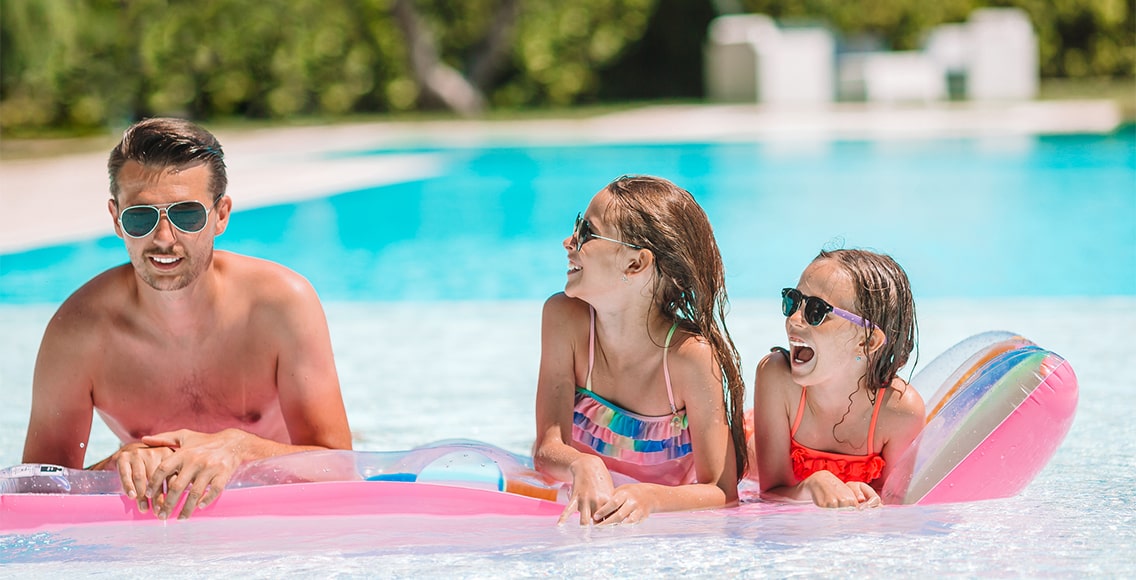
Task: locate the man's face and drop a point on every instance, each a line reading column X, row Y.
column 168, row 258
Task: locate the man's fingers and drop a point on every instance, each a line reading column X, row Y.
column 176, row 485
column 167, row 439
column 211, row 494
column 213, row 490
column 193, row 497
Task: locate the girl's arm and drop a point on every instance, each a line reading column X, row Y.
column 697, row 382
column 771, row 426
column 553, row 453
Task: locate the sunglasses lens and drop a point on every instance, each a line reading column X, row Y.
column 139, row 221
column 582, row 232
column 188, row 216
column 789, row 301
column 576, row 231
column 815, row 310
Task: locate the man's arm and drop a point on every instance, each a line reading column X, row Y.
column 62, row 405
column 310, row 397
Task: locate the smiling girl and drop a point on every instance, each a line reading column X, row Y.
column 638, row 374
column 831, row 416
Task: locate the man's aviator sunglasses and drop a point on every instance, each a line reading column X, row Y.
column 814, row 309
column 582, row 232
column 139, row 221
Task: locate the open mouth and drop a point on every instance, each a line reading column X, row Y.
column 800, row 352
column 573, row 268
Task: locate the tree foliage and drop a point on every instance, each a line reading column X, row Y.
column 93, row 63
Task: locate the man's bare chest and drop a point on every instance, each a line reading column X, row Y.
column 153, row 386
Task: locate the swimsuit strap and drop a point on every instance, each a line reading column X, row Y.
column 800, row 413
column 667, row 370
column 872, row 425
column 591, row 348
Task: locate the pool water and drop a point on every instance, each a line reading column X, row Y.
column 996, row 216
column 433, row 292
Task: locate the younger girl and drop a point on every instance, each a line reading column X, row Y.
column 638, row 374
column 831, row 417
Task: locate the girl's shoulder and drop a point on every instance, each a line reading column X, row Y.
column 561, row 307
column 690, row 353
column 774, row 377
column 774, row 366
column 904, row 405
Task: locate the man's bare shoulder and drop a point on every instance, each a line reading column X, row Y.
column 103, row 296
column 263, row 281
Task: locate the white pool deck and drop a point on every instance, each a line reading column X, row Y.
column 61, row 199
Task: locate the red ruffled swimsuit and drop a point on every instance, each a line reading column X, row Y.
column 807, row 461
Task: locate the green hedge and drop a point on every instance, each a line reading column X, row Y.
column 77, row 64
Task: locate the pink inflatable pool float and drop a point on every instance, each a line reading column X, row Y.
column 1002, row 407
column 447, row 478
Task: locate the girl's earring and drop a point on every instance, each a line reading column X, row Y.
column 858, row 359
column 625, row 280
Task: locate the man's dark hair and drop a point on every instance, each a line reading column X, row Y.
column 169, row 142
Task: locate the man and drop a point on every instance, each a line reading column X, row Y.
column 199, row 360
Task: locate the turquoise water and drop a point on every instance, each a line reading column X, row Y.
column 433, row 292
column 1020, row 216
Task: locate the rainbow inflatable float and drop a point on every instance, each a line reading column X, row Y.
column 1002, row 407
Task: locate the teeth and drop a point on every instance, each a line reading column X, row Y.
column 165, row 260
column 793, row 342
column 573, row 267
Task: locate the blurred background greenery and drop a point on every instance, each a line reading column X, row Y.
column 75, row 66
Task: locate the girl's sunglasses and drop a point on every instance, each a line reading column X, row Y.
column 814, row 309
column 582, row 232
column 139, row 221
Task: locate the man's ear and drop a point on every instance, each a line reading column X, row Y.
column 222, row 209
column 112, row 207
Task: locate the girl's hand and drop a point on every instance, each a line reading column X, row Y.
column 829, row 492
column 591, row 488
column 865, row 494
column 629, row 504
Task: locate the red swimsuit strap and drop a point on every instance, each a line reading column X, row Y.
column 871, row 426
column 875, row 415
column 800, row 413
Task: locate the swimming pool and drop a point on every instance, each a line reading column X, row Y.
column 445, row 275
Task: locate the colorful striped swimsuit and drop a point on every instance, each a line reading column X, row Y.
column 650, row 449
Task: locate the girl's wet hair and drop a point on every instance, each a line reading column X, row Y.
column 883, row 296
column 690, row 280
column 169, row 142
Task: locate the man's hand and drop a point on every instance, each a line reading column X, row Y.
column 135, row 463
column 199, row 467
